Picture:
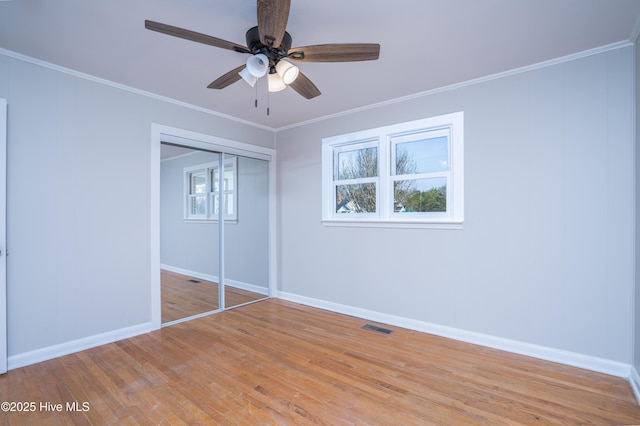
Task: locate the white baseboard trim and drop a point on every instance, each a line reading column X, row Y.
column 213, row 278
column 50, row 352
column 634, row 381
column 588, row 362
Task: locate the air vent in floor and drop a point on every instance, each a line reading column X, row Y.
column 377, row 329
column 193, row 281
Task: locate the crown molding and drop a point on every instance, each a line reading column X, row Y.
column 58, row 68
column 515, row 71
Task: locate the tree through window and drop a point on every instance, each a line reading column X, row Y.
column 410, row 172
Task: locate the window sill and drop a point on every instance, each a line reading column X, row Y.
column 229, row 221
column 394, row 224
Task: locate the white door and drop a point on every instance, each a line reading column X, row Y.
column 3, row 236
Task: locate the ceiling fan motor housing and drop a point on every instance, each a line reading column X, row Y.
column 274, row 54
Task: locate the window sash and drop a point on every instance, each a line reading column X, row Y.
column 341, row 207
column 421, row 137
column 211, row 195
column 355, row 147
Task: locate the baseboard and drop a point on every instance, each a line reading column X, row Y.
column 634, row 381
column 588, row 362
column 213, row 278
column 50, row 352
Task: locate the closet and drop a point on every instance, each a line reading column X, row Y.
column 214, row 224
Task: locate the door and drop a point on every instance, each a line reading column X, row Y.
column 3, row 236
column 189, row 238
column 246, row 239
column 223, row 200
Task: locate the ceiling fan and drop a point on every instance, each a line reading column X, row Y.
column 271, row 54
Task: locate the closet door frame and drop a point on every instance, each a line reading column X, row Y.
column 3, row 237
column 161, row 133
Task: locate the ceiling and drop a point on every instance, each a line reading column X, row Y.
column 425, row 44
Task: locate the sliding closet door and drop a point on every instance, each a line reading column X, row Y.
column 246, row 234
column 214, row 228
column 189, row 233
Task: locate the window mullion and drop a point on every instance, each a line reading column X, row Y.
column 384, row 166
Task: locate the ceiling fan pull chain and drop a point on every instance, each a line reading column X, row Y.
column 256, row 103
column 268, row 103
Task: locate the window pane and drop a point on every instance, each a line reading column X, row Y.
column 228, row 199
column 214, row 179
column 420, row 195
column 228, row 179
column 214, row 206
column 197, row 205
column 423, row 156
column 357, row 198
column 198, row 183
column 360, row 163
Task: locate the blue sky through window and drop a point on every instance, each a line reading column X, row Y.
column 428, row 155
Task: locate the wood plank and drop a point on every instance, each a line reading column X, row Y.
column 183, row 298
column 276, row 362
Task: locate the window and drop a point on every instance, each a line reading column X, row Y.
column 202, row 191
column 410, row 174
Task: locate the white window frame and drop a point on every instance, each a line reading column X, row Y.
column 335, row 182
column 386, row 138
column 207, row 170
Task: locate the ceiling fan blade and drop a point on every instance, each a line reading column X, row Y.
column 272, row 20
column 226, row 79
column 305, row 87
column 194, row 36
column 347, row 52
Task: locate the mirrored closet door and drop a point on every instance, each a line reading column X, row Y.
column 189, row 237
column 214, row 230
column 246, row 248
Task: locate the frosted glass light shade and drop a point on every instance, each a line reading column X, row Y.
column 257, row 65
column 275, row 83
column 287, row 71
column 246, row 76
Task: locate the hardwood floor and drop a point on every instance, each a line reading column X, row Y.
column 182, row 297
column 276, row 362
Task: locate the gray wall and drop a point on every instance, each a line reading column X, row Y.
column 78, row 201
column 194, row 246
column 636, row 353
column 546, row 253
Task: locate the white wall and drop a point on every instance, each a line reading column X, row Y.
column 79, row 205
column 546, row 253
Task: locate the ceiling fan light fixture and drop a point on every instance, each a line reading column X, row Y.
column 275, row 83
column 287, row 71
column 268, row 45
column 258, row 65
column 248, row 77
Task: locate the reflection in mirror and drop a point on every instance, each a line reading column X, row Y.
column 189, row 254
column 246, row 239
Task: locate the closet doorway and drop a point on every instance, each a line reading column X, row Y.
column 3, row 236
column 215, row 228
